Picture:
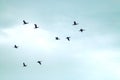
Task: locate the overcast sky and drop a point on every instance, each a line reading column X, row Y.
column 91, row 55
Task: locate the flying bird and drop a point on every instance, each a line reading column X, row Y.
column 68, row 38
column 57, row 38
column 24, row 22
column 81, row 30
column 75, row 23
column 39, row 62
column 15, row 46
column 36, row 26
column 24, row 65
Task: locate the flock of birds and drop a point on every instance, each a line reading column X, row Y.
column 24, row 65
column 56, row 38
column 68, row 38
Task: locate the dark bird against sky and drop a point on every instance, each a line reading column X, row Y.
column 57, row 38
column 15, row 46
column 24, row 65
column 68, row 38
column 81, row 30
column 39, row 62
column 75, row 23
column 36, row 26
column 24, row 22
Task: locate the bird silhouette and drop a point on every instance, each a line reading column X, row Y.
column 81, row 30
column 24, row 65
column 57, row 38
column 68, row 38
column 36, row 26
column 24, row 22
column 15, row 46
column 39, row 62
column 75, row 23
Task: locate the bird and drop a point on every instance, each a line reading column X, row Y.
column 15, row 46
column 75, row 23
column 57, row 38
column 68, row 38
column 24, row 22
column 39, row 62
column 81, row 30
column 24, row 65
column 36, row 26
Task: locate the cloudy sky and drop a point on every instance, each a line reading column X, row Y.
column 91, row 55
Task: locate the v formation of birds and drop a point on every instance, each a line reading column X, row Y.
column 56, row 38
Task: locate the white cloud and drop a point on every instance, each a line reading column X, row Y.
column 92, row 51
column 27, row 35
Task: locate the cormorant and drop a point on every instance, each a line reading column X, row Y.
column 36, row 26
column 75, row 23
column 24, row 65
column 39, row 62
column 68, row 38
column 24, row 22
column 15, row 46
column 57, row 38
column 81, row 30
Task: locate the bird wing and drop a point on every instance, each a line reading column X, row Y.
column 24, row 21
column 35, row 25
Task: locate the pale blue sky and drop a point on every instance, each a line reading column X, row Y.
column 91, row 55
